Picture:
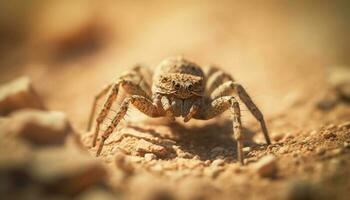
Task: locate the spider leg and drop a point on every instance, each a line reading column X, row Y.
column 101, row 94
column 146, row 78
column 193, row 110
column 218, row 106
column 142, row 103
column 215, row 77
column 167, row 107
column 230, row 87
column 224, row 89
column 131, row 83
column 104, row 112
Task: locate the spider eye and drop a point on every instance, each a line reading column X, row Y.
column 176, row 85
column 190, row 87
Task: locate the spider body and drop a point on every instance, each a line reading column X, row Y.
column 177, row 88
column 180, row 84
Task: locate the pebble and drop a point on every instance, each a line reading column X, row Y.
column 40, row 127
column 329, row 135
column 144, row 147
column 266, row 166
column 207, row 163
column 307, row 139
column 135, row 159
column 247, row 149
column 338, row 77
column 337, row 151
column 289, row 137
column 345, row 125
column 157, row 168
column 124, row 164
column 150, row 156
column 196, row 157
column 278, row 136
column 18, row 94
column 186, row 155
column 331, row 126
column 328, row 102
column 310, row 148
column 344, row 91
column 52, row 165
column 313, row 132
column 283, row 150
column 218, row 162
column 320, row 151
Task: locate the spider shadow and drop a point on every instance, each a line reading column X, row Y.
column 208, row 141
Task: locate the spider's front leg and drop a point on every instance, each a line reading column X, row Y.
column 101, row 94
column 106, row 108
column 134, row 82
column 164, row 103
column 141, row 103
column 194, row 108
column 218, row 106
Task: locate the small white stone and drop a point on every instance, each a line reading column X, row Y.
column 266, row 166
column 320, row 150
column 218, row 162
column 144, row 147
column 247, row 149
column 283, row 150
column 18, row 94
column 150, row 156
column 40, row 127
column 313, row 132
column 207, row 163
column 157, row 168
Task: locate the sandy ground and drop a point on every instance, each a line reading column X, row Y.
column 279, row 52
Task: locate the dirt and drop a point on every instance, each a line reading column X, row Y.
column 271, row 49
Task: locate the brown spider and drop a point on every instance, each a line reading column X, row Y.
column 177, row 88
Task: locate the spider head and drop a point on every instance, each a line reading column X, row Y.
column 181, row 85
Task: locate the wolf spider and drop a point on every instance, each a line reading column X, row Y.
column 177, row 88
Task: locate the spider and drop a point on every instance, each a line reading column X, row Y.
column 177, row 88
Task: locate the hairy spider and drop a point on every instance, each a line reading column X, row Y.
column 177, row 88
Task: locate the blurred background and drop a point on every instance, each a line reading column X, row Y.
column 279, row 50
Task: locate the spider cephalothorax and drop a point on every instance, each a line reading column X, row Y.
column 177, row 88
column 180, row 78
